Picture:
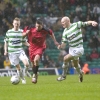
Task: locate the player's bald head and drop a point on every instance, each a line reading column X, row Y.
column 65, row 21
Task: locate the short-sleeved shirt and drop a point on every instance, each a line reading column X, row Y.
column 37, row 40
column 73, row 34
column 15, row 40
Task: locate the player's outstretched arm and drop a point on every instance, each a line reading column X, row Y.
column 26, row 43
column 26, row 32
column 93, row 23
column 54, row 39
column 5, row 48
column 62, row 46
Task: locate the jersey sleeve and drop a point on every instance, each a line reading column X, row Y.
column 81, row 24
column 6, row 37
column 25, row 29
column 50, row 32
column 64, row 38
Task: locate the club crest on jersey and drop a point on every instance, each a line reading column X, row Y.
column 71, row 37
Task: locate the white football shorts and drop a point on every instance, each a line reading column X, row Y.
column 76, row 52
column 16, row 57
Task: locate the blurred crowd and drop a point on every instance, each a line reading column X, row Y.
column 51, row 11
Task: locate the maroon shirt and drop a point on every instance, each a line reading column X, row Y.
column 37, row 40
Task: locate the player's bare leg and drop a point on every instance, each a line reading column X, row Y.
column 35, row 69
column 67, row 58
column 26, row 67
column 26, row 72
column 78, row 68
column 64, row 71
column 20, row 74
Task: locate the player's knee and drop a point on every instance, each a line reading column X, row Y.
column 36, row 62
column 18, row 66
column 27, row 65
column 65, row 59
column 75, row 65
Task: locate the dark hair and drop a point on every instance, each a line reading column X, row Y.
column 38, row 21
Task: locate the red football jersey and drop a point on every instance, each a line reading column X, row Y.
column 37, row 39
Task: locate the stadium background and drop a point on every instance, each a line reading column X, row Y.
column 50, row 11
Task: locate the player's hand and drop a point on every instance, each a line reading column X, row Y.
column 28, row 44
column 5, row 53
column 94, row 23
column 59, row 46
column 25, row 33
column 56, row 43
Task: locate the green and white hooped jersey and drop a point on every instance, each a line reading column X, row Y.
column 73, row 34
column 15, row 40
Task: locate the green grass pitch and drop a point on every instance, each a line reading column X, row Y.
column 48, row 88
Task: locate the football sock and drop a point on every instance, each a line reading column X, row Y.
column 25, row 69
column 79, row 69
column 20, row 73
column 35, row 69
column 64, row 69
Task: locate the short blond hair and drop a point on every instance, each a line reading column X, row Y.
column 17, row 19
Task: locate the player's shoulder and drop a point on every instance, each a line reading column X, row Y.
column 46, row 29
column 20, row 29
column 28, row 27
column 31, row 26
column 77, row 22
column 10, row 30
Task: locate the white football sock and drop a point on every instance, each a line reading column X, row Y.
column 79, row 69
column 20, row 74
column 65, row 69
column 26, row 70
